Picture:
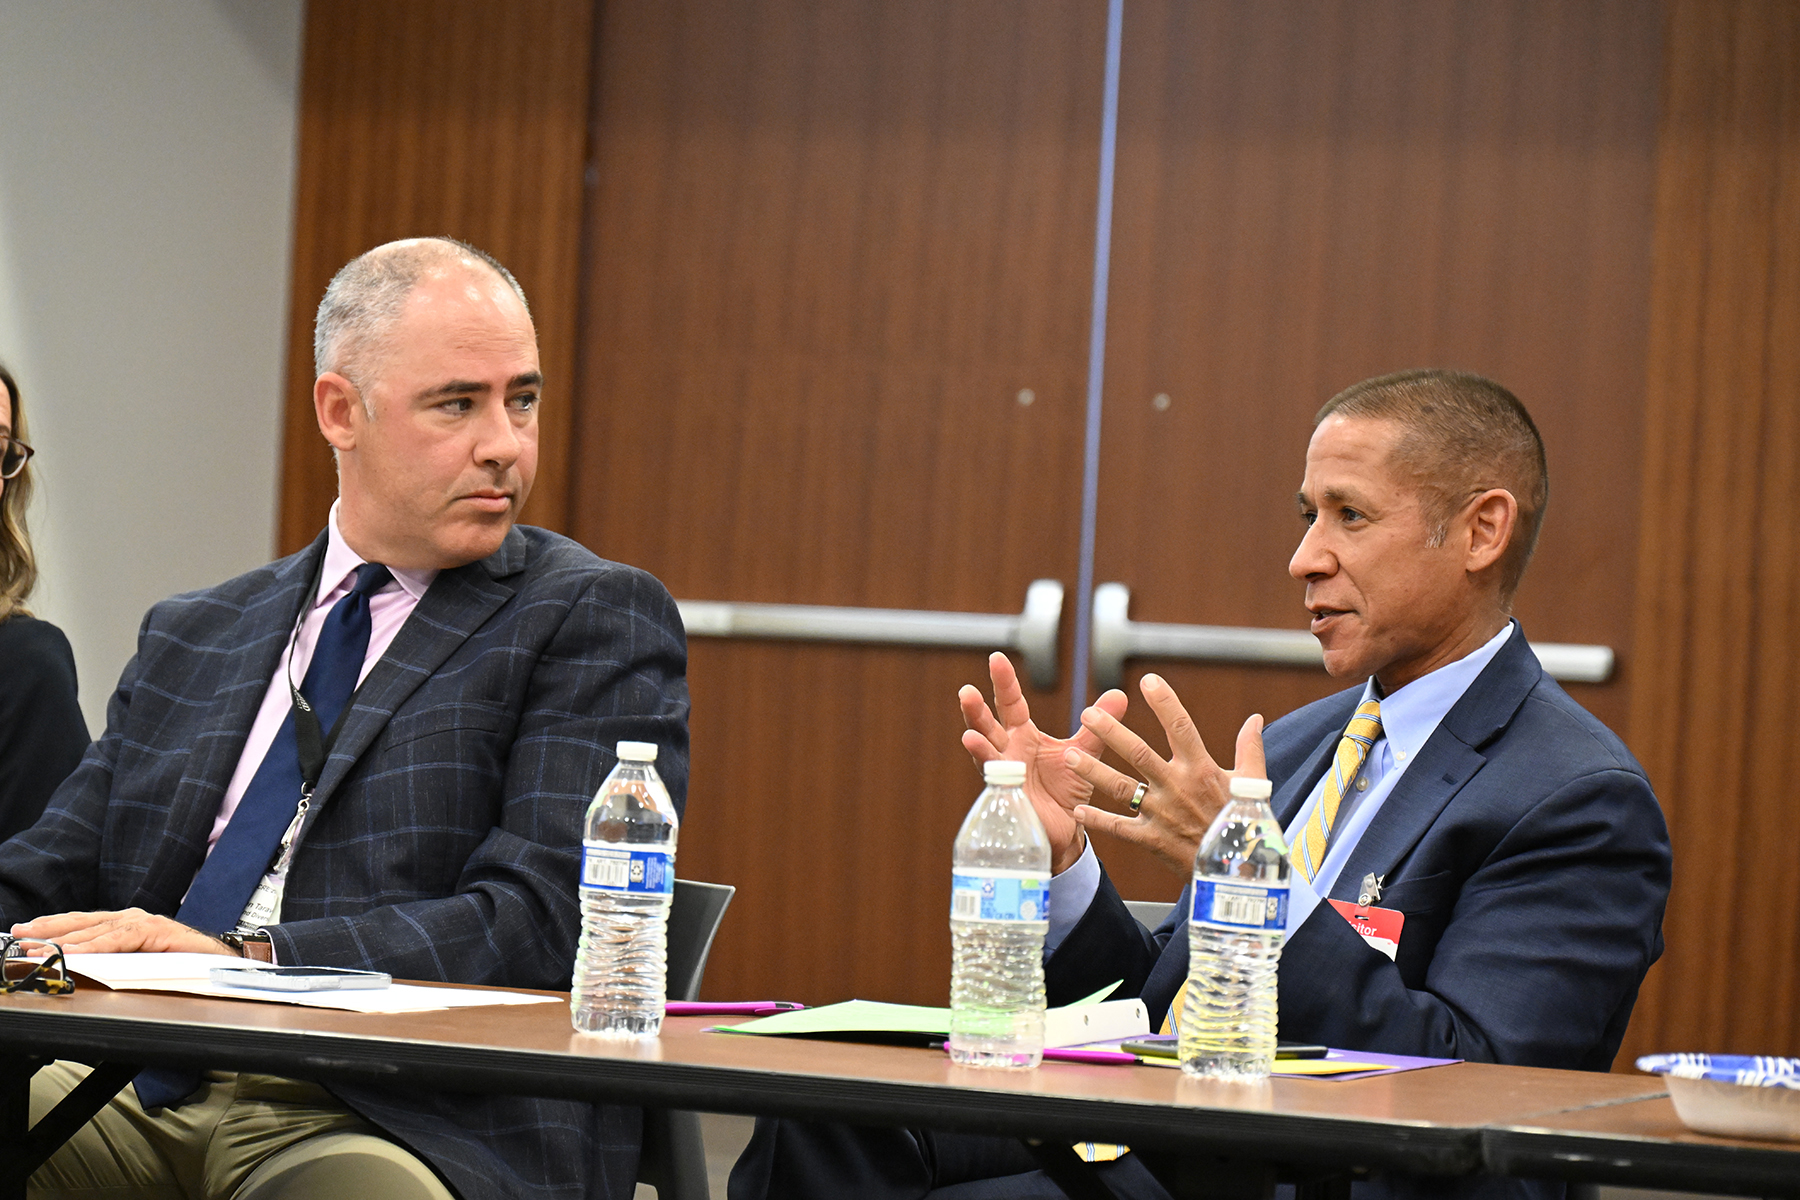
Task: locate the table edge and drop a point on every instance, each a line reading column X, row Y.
column 382, row 1061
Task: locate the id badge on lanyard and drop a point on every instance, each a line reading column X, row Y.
column 314, row 748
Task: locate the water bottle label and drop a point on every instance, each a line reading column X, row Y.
column 624, row 869
column 999, row 896
column 1239, row 905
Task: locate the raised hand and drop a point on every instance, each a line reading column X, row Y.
column 1186, row 790
column 1055, row 787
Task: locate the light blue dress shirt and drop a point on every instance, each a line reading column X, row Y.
column 1408, row 718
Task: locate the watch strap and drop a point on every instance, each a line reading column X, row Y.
column 239, row 942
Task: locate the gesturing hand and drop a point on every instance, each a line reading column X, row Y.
column 119, row 933
column 1054, row 787
column 1186, row 791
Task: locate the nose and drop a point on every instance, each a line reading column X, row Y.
column 497, row 439
column 1311, row 557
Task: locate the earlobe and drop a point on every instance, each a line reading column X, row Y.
column 334, row 399
column 1493, row 519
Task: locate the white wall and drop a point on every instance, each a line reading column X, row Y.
column 146, row 200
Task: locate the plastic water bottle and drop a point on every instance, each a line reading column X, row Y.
column 627, row 882
column 999, row 914
column 1237, row 926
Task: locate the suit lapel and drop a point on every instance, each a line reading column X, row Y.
column 1443, row 765
column 256, row 639
column 1450, row 758
column 458, row 603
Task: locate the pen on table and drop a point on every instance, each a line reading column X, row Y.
column 1075, row 1054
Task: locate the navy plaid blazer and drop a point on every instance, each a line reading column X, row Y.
column 444, row 836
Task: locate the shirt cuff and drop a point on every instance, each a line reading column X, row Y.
column 1070, row 894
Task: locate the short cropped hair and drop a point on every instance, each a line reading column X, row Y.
column 1461, row 434
column 365, row 297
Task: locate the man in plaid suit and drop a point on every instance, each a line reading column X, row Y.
column 441, row 840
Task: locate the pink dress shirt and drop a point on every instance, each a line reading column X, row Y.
column 388, row 610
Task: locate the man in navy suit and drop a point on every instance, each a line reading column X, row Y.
column 1515, row 833
column 441, row 838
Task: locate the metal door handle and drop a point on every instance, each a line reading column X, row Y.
column 1117, row 637
column 1032, row 632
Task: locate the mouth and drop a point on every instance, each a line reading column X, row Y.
column 491, row 500
column 1322, row 618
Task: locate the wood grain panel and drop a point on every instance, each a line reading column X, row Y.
column 830, row 245
column 1718, row 623
column 453, row 117
column 1313, row 193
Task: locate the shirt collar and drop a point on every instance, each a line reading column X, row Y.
column 341, row 562
column 1411, row 714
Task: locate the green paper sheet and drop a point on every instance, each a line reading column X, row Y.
column 870, row 1020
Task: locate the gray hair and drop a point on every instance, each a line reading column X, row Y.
column 365, row 297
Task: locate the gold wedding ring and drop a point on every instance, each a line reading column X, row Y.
column 1137, row 797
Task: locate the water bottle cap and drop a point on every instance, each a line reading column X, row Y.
column 1003, row 771
column 637, row 751
column 1251, row 789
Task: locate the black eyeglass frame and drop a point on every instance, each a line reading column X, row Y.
column 49, row 976
column 8, row 445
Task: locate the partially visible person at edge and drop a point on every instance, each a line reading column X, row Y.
column 438, row 834
column 1516, row 833
column 42, row 731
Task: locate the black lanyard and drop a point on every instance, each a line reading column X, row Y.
column 310, row 739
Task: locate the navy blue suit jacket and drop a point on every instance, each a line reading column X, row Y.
column 1527, row 851
column 444, row 836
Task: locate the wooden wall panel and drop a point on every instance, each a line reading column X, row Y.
column 454, row 117
column 830, row 245
column 1717, row 614
column 1316, row 192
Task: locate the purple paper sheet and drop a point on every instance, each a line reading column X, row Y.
column 1391, row 1064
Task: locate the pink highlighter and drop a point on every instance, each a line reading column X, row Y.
column 728, row 1008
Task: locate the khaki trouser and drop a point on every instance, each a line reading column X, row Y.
column 242, row 1137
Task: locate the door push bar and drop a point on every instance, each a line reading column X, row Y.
column 1117, row 637
column 1032, row 632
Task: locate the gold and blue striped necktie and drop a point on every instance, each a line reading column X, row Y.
column 1352, row 751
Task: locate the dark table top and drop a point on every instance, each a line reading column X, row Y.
column 1428, row 1121
column 1641, row 1142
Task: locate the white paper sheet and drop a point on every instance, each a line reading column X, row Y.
column 188, row 974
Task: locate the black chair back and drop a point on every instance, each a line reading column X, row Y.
column 1149, row 913
column 694, row 917
column 674, row 1155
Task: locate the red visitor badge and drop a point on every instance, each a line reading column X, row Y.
column 1380, row 927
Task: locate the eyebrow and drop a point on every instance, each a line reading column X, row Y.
column 1331, row 496
column 464, row 387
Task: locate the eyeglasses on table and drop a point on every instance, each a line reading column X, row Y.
column 33, row 965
